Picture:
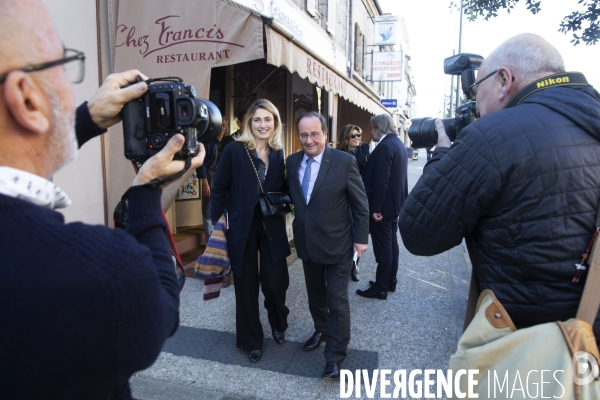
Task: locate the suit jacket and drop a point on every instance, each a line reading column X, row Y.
column 337, row 214
column 234, row 188
column 385, row 177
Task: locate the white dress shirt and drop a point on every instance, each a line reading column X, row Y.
column 33, row 188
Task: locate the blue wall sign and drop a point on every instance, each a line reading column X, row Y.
column 389, row 103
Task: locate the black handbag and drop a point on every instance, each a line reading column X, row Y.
column 272, row 204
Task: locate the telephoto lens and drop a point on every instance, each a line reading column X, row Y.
column 422, row 132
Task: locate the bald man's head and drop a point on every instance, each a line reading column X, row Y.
column 528, row 56
column 514, row 64
column 27, row 34
column 36, row 108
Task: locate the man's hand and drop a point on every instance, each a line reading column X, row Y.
column 205, row 188
column 377, row 217
column 359, row 248
column 106, row 105
column 443, row 139
column 162, row 164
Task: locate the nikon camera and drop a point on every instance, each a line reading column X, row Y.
column 422, row 132
column 168, row 107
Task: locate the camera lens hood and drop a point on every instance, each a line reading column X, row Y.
column 209, row 128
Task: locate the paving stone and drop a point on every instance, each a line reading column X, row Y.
column 287, row 358
column 415, row 328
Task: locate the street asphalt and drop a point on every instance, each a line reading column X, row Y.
column 416, row 328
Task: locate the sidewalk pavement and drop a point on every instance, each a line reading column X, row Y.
column 417, row 327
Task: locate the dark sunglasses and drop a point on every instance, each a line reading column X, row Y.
column 355, row 135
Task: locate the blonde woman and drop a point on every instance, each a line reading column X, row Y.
column 256, row 154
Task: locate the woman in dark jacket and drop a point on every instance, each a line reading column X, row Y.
column 256, row 154
column 349, row 141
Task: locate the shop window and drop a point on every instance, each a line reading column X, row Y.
column 257, row 79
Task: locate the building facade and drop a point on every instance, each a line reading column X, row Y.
column 302, row 55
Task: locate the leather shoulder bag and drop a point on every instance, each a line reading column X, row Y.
column 555, row 359
column 272, row 204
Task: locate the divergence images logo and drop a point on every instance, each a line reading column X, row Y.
column 585, row 368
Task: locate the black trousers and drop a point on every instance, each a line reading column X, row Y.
column 274, row 281
column 327, row 288
column 384, row 236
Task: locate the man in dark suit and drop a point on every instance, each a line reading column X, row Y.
column 331, row 219
column 240, row 115
column 385, row 182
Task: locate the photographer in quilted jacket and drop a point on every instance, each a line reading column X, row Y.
column 521, row 184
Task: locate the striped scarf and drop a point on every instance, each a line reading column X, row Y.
column 214, row 264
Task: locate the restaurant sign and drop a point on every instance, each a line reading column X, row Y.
column 165, row 40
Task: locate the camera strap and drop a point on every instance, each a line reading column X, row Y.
column 560, row 79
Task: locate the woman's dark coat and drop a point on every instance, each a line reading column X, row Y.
column 362, row 156
column 235, row 189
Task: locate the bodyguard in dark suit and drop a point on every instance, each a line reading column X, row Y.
column 330, row 224
column 386, row 186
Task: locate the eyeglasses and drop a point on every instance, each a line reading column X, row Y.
column 355, row 135
column 472, row 92
column 74, row 70
column 314, row 136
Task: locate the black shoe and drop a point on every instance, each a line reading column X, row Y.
column 314, row 342
column 391, row 286
column 255, row 355
column 331, row 371
column 279, row 336
column 372, row 293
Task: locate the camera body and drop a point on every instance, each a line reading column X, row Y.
column 168, row 107
column 422, row 132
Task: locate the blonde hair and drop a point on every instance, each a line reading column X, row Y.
column 247, row 136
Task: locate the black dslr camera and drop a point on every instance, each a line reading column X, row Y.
column 168, row 107
column 422, row 132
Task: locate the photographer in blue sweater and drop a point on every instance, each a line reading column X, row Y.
column 97, row 304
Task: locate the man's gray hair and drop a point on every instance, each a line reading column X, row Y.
column 383, row 124
column 316, row 115
column 526, row 55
